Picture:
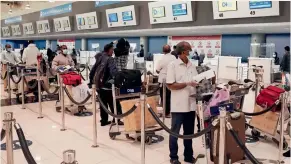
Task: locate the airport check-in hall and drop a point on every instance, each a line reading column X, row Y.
column 145, row 82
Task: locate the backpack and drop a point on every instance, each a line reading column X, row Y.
column 269, row 96
column 128, row 79
column 71, row 78
column 100, row 69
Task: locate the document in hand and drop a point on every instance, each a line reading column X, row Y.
column 204, row 76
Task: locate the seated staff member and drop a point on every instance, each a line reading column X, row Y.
column 8, row 57
column 63, row 59
column 162, row 71
column 182, row 105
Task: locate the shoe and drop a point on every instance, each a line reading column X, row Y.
column 175, row 161
column 192, row 161
column 286, row 154
column 105, row 123
column 119, row 122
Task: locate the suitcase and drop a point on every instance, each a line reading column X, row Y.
column 233, row 152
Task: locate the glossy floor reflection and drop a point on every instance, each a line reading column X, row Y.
column 49, row 142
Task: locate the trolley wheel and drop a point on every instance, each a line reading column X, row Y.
column 285, row 145
column 112, row 136
column 255, row 133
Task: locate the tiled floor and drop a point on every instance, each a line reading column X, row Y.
column 49, row 142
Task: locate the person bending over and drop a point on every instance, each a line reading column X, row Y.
column 162, row 71
column 182, row 105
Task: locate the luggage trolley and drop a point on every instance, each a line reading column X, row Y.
column 126, row 94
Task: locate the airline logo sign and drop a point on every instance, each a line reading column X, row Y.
column 13, row 20
column 56, row 10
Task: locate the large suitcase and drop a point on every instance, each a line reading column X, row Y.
column 233, row 152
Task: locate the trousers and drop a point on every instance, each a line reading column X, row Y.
column 168, row 99
column 188, row 121
column 107, row 99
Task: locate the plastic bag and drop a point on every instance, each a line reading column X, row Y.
column 80, row 92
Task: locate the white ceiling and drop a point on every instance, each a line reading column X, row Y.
column 19, row 7
column 265, row 28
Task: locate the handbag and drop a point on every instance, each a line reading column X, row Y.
column 269, row 96
column 71, row 78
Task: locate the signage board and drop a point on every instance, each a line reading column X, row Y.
column 122, row 16
column 87, row 21
column 6, row 31
column 13, row 20
column 16, row 30
column 170, row 12
column 28, row 28
column 66, row 8
column 62, row 24
column 43, row 26
column 103, row 3
column 244, row 9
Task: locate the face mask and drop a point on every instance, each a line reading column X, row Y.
column 274, row 56
column 191, row 55
column 65, row 52
column 8, row 49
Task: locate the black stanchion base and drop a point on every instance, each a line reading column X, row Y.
column 251, row 139
column 63, row 129
column 40, row 117
column 83, row 114
column 16, row 145
column 94, row 146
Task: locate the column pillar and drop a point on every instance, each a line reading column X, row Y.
column 83, row 44
column 48, row 44
column 144, row 42
column 257, row 49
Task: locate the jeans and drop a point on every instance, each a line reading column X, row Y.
column 188, row 121
column 168, row 99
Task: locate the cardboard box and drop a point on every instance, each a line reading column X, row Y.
column 266, row 122
column 132, row 122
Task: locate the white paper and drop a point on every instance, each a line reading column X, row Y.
column 95, row 45
column 204, row 76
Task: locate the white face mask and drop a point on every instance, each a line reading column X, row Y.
column 274, row 55
column 8, row 49
column 65, row 52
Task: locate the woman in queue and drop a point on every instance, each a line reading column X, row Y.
column 64, row 59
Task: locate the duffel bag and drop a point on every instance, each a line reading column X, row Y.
column 128, row 79
column 269, row 96
column 71, row 78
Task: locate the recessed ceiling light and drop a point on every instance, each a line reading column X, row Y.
column 52, row 1
column 10, row 11
column 27, row 7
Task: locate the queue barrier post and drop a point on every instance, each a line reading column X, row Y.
column 8, row 81
column 114, row 105
column 8, row 119
column 164, row 100
column 94, row 116
column 22, row 92
column 39, row 91
column 87, row 71
column 222, row 122
column 62, row 98
column 201, row 118
column 69, row 157
column 142, row 113
column 282, row 119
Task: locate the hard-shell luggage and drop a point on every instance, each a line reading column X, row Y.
column 233, row 152
column 269, row 96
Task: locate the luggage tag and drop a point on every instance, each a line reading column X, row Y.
column 214, row 111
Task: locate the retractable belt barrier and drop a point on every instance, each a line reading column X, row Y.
column 74, row 101
column 47, row 89
column 261, row 112
column 16, row 81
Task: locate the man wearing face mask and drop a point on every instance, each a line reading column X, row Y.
column 179, row 75
column 8, row 57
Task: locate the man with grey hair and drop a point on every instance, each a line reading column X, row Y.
column 179, row 75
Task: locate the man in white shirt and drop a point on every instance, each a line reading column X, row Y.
column 179, row 75
column 162, row 71
column 30, row 53
column 8, row 57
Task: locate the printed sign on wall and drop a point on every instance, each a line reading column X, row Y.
column 62, row 24
column 122, row 16
column 208, row 45
column 87, row 21
column 16, row 30
column 70, row 43
column 66, row 8
column 43, row 26
column 242, row 9
column 28, row 28
column 6, row 31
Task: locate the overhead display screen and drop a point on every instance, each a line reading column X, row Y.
column 58, row 24
column 179, row 9
column 260, row 4
column 227, row 6
column 81, row 21
column 39, row 27
column 113, row 17
column 127, row 16
column 158, row 12
column 91, row 20
column 66, row 23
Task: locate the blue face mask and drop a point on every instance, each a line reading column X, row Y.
column 191, row 55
